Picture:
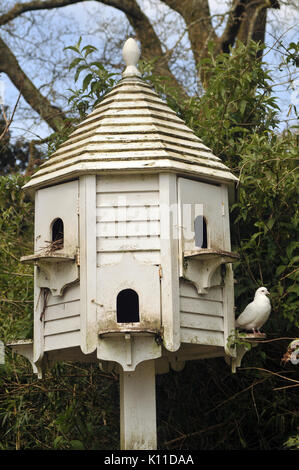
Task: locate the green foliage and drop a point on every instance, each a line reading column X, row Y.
column 204, row 406
column 293, row 54
column 74, row 407
column 292, row 443
column 97, row 82
column 16, row 240
column 266, row 224
column 236, row 105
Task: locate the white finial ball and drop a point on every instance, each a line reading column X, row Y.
column 131, row 55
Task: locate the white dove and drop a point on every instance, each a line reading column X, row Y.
column 256, row 313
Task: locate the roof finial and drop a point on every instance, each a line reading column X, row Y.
column 131, row 55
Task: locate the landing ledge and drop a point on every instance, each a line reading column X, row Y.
column 209, row 253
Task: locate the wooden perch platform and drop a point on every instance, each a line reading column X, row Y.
column 208, row 254
column 48, row 257
column 253, row 336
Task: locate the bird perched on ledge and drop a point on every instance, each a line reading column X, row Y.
column 256, row 313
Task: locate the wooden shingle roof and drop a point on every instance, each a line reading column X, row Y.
column 131, row 130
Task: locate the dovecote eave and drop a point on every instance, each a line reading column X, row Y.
column 130, row 167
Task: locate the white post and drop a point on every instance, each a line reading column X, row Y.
column 170, row 300
column 138, row 428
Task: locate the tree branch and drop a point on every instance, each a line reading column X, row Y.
column 197, row 16
column 149, row 40
column 20, row 8
column 7, row 120
column 254, row 21
column 247, row 20
column 151, row 46
column 52, row 115
column 232, row 26
column 150, row 43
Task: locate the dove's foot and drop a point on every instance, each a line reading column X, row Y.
column 257, row 332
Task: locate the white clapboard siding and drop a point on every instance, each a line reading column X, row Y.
column 187, row 289
column 132, row 183
column 197, row 305
column 62, row 320
column 128, row 218
column 196, row 336
column 201, row 316
column 62, row 310
column 63, row 340
column 201, row 322
column 141, row 243
column 130, row 214
column 64, row 325
column 129, row 228
column 126, row 199
column 148, row 257
column 62, row 333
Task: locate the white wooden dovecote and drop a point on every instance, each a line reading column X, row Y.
column 139, row 277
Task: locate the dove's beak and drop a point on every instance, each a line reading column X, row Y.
column 267, row 293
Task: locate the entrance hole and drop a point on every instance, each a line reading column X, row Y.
column 127, row 306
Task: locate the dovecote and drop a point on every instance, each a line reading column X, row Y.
column 132, row 248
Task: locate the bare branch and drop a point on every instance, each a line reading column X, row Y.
column 145, row 33
column 197, row 17
column 151, row 47
column 233, row 25
column 247, row 20
column 8, row 64
column 20, row 8
column 7, row 120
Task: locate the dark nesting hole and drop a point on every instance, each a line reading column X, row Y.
column 127, row 306
column 200, row 230
column 57, row 234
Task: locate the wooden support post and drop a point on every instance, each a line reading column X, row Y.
column 138, row 429
column 170, row 300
